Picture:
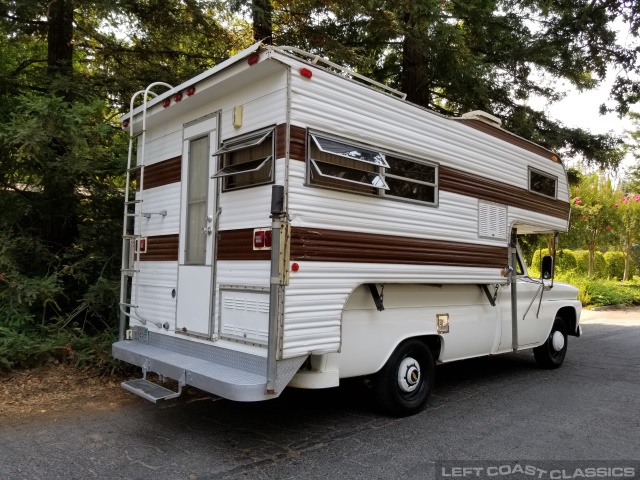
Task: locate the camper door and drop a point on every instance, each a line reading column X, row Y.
column 197, row 228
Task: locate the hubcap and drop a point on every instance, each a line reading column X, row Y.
column 408, row 375
column 557, row 341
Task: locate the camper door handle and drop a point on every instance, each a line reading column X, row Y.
column 207, row 230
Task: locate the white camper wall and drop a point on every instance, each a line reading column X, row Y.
column 264, row 104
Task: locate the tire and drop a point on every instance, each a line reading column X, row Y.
column 404, row 384
column 548, row 355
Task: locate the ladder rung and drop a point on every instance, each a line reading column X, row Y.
column 132, row 202
column 135, row 168
column 128, row 305
column 132, row 236
column 137, row 134
column 132, row 270
column 131, row 214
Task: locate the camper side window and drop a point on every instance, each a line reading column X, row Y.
column 411, row 180
column 344, row 166
column 246, row 161
column 542, row 183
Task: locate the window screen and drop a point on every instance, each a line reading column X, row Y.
column 247, row 161
column 411, row 180
column 542, row 183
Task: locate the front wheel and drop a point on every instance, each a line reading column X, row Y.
column 552, row 352
column 404, row 384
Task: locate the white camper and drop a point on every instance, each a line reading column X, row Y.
column 294, row 223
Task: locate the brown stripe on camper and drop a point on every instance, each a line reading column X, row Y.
column 238, row 245
column 161, row 173
column 161, row 248
column 509, row 138
column 297, row 142
column 463, row 183
column 315, row 244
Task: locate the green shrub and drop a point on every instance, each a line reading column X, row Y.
column 615, row 264
column 582, row 261
column 593, row 293
column 565, row 261
column 599, row 266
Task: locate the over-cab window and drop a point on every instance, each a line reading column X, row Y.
column 345, row 166
column 542, row 183
column 246, row 161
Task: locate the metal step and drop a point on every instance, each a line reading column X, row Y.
column 222, row 371
column 149, row 390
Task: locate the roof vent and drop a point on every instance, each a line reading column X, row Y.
column 483, row 117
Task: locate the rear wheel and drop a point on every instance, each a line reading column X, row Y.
column 404, row 384
column 552, row 352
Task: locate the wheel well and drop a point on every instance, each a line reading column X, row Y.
column 568, row 314
column 433, row 343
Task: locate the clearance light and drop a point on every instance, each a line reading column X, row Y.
column 178, row 97
column 191, row 91
column 305, row 72
column 166, row 103
column 267, row 238
column 253, row 59
column 554, row 158
column 125, row 124
column 295, row 267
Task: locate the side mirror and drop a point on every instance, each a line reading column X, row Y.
column 547, row 267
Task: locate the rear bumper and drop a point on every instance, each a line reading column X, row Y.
column 227, row 373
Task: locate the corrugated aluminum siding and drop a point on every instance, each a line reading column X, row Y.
column 155, row 281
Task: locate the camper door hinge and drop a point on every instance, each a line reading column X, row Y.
column 492, row 299
column 377, row 297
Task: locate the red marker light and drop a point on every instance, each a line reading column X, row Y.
column 191, row 91
column 166, row 103
column 305, row 72
column 178, row 97
column 258, row 239
column 267, row 238
column 253, row 59
column 295, row 267
column 125, row 124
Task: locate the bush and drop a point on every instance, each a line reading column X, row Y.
column 565, row 261
column 594, row 293
column 615, row 265
column 582, row 261
column 599, row 266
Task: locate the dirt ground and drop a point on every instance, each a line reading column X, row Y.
column 56, row 391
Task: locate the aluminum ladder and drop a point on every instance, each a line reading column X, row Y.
column 133, row 219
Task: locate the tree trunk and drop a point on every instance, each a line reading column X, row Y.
column 592, row 254
column 627, row 259
column 261, row 12
column 414, row 66
column 60, row 38
column 59, row 199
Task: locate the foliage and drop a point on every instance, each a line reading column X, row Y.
column 565, row 261
column 629, row 227
column 615, row 264
column 592, row 214
column 595, row 293
column 582, row 261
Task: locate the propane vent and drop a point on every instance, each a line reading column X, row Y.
column 483, row 117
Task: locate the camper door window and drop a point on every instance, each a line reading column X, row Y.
column 246, row 161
